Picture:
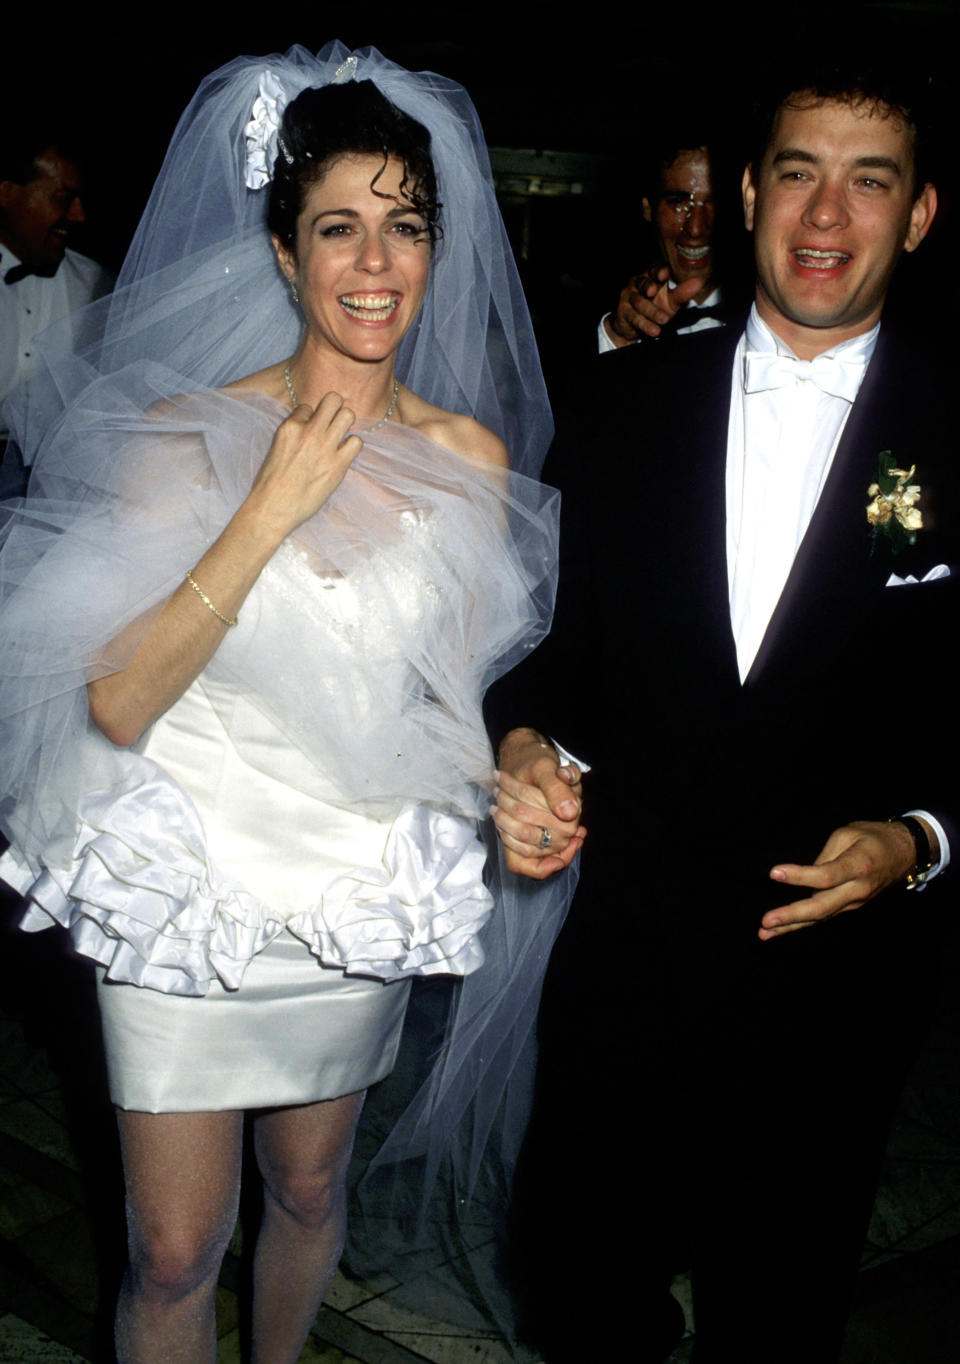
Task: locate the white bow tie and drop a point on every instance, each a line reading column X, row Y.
column 765, row 370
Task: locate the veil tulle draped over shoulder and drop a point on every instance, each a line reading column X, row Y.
column 139, row 458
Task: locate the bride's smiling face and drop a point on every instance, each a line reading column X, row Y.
column 362, row 257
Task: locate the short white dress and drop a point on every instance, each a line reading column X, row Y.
column 293, row 1030
column 297, row 836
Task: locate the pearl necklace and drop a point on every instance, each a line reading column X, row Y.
column 295, row 402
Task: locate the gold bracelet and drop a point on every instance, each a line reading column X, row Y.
column 207, row 602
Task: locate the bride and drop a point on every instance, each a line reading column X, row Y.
column 249, row 622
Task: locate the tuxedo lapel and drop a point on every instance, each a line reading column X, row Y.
column 692, row 466
column 836, row 548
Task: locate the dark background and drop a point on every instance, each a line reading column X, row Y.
column 600, row 85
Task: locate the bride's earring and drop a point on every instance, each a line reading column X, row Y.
column 293, row 291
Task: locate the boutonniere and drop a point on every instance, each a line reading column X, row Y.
column 893, row 510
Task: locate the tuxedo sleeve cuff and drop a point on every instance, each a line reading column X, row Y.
column 944, row 842
column 567, row 759
column 604, row 344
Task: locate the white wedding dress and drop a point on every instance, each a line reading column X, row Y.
column 337, row 889
column 139, row 458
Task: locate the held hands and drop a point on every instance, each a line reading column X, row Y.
column 537, row 813
column 307, row 460
column 856, row 863
column 648, row 304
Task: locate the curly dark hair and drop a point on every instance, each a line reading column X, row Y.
column 328, row 122
column 903, row 96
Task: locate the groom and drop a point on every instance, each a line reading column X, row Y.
column 752, row 649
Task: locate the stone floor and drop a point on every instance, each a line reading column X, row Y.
column 61, row 1210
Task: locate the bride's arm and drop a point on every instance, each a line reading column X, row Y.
column 307, row 460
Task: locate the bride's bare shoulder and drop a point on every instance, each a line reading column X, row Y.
column 462, row 435
column 180, row 406
column 269, row 381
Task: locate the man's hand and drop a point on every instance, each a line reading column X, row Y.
column 857, row 862
column 537, row 813
column 647, row 305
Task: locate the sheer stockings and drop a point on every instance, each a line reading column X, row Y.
column 303, row 1154
column 182, row 1174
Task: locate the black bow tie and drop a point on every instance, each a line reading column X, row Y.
column 691, row 314
column 17, row 273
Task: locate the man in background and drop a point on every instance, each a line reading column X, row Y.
column 680, row 291
column 42, row 280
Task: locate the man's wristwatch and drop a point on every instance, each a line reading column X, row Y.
column 924, row 857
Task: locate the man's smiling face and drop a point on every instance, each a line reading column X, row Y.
column 683, row 216
column 36, row 218
column 831, row 208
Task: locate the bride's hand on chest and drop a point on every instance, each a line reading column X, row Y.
column 307, row 460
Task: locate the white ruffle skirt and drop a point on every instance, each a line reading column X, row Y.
column 255, row 944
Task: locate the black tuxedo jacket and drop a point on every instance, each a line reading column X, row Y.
column 702, row 783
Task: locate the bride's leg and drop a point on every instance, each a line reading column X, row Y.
column 182, row 1174
column 303, row 1155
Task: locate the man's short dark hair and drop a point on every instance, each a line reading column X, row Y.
column 661, row 154
column 904, row 97
column 32, row 135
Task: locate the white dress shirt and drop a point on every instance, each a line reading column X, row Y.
column 780, row 445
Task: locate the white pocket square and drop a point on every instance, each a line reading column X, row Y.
column 941, row 571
